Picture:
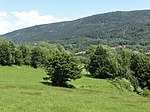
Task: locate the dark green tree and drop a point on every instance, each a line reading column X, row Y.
column 18, row 57
column 103, row 63
column 63, row 68
column 140, row 65
column 25, row 52
column 7, row 52
column 38, row 57
column 127, row 73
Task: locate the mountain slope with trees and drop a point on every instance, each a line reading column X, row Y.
column 131, row 28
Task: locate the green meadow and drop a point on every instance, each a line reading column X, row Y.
column 21, row 90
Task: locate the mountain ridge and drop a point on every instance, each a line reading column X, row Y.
column 92, row 28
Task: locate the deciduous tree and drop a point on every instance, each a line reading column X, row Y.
column 63, row 68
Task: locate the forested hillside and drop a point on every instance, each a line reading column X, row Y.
column 115, row 28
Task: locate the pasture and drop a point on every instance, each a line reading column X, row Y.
column 21, row 90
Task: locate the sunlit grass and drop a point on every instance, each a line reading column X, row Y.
column 21, row 90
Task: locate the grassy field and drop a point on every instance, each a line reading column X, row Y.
column 21, row 90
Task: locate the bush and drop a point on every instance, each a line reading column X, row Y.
column 123, row 84
column 146, row 93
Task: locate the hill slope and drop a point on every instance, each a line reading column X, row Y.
column 21, row 91
column 123, row 28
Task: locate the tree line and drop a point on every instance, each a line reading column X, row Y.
column 34, row 56
column 124, row 66
column 60, row 64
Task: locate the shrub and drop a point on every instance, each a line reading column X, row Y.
column 146, row 93
column 123, row 84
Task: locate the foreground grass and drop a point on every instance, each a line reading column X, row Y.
column 21, row 91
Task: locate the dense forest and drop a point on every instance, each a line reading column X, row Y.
column 126, row 68
column 130, row 29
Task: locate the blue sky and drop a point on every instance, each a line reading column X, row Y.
column 16, row 14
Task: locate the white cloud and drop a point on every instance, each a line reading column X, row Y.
column 17, row 20
column 31, row 18
column 3, row 14
column 4, row 24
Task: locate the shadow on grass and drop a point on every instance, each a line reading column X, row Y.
column 66, row 86
column 99, row 76
column 47, row 83
column 89, row 75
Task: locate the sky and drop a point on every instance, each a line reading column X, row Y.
column 18, row 14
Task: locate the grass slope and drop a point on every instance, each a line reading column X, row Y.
column 21, row 91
